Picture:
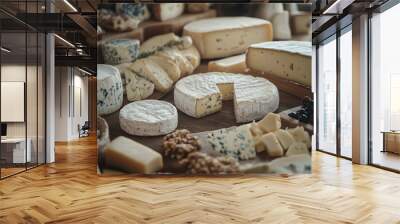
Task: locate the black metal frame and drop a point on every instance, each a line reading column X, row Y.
column 44, row 81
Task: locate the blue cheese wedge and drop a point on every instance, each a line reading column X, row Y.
column 236, row 142
column 109, row 89
column 136, row 87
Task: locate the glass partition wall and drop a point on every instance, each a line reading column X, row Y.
column 334, row 94
column 385, row 89
column 22, row 77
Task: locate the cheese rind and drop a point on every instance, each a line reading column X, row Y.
column 202, row 94
column 148, row 118
column 289, row 60
column 120, row 51
column 132, row 157
column 165, row 11
column 234, row 64
column 227, row 36
column 109, row 89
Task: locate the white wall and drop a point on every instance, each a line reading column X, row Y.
column 68, row 82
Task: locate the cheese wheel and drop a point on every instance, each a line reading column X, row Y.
column 148, row 118
column 227, row 36
column 109, row 89
column 202, row 94
column 120, row 51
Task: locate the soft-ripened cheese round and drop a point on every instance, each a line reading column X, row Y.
column 148, row 118
column 109, row 89
column 202, row 94
column 227, row 36
column 120, row 51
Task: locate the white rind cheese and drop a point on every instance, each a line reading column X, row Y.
column 289, row 60
column 165, row 11
column 148, row 118
column 132, row 157
column 281, row 24
column 202, row 94
column 109, row 89
column 136, row 87
column 120, row 51
column 234, row 64
column 227, row 36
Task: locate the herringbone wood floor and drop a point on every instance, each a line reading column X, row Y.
column 70, row 191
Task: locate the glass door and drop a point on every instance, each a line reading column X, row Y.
column 327, row 93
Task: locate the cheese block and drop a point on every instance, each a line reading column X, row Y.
column 178, row 57
column 168, row 65
column 300, row 135
column 132, row 157
column 135, row 86
column 120, row 51
column 193, row 55
column 268, row 11
column 133, row 10
column 148, row 118
column 197, row 7
column 297, row 148
column 257, row 135
column 115, row 22
column 271, row 143
column 290, row 60
column 152, row 71
column 227, row 36
column 236, row 142
column 234, row 64
column 109, row 89
column 285, row 138
column 202, row 94
column 281, row 24
column 301, row 23
column 165, row 11
column 270, row 123
column 163, row 41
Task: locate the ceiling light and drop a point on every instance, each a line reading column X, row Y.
column 70, row 5
column 84, row 71
column 64, row 40
column 5, row 50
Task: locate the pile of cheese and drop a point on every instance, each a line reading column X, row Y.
column 276, row 142
column 153, row 65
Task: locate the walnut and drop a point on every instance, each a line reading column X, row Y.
column 179, row 144
column 201, row 163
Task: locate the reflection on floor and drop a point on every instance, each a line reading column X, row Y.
column 386, row 159
column 70, row 191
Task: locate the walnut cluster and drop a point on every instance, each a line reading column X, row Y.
column 201, row 163
column 179, row 144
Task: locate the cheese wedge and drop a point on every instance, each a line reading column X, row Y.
column 300, row 135
column 234, row 64
column 227, row 36
column 297, row 148
column 193, row 55
column 135, row 86
column 153, row 72
column 168, row 65
column 281, row 24
column 132, row 157
column 165, row 11
column 176, row 56
column 163, row 41
column 289, row 60
column 285, row 138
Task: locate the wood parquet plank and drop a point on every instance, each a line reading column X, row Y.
column 70, row 191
